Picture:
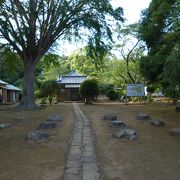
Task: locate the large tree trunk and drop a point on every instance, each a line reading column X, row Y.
column 27, row 101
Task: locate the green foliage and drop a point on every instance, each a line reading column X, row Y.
column 53, row 65
column 89, row 89
column 36, row 25
column 120, row 71
column 43, row 100
column 32, row 27
column 112, row 94
column 82, row 63
column 103, row 88
column 151, row 89
column 11, row 67
column 160, row 30
column 131, row 49
column 152, row 67
column 51, row 59
column 50, row 69
column 49, row 89
column 160, row 24
column 171, row 77
column 104, row 76
column 85, row 65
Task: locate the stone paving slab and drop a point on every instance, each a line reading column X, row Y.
column 81, row 163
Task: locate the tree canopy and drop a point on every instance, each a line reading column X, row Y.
column 131, row 49
column 32, row 27
column 11, row 67
column 160, row 29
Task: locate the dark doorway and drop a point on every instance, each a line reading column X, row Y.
column 74, row 94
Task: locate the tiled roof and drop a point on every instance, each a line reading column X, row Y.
column 8, row 86
column 72, row 78
column 11, row 87
column 3, row 83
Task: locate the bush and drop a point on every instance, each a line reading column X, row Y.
column 151, row 89
column 49, row 89
column 103, row 88
column 112, row 94
column 43, row 100
column 89, row 89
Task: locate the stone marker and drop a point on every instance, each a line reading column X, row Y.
column 175, row 132
column 4, row 125
column 37, row 136
column 157, row 123
column 47, row 125
column 110, row 117
column 143, row 117
column 119, row 124
column 126, row 133
column 54, row 118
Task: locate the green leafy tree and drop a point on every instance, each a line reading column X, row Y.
column 131, row 49
column 160, row 30
column 88, row 90
column 171, row 77
column 52, row 66
column 49, row 68
column 124, row 69
column 84, row 64
column 120, row 72
column 11, row 67
column 49, row 89
column 32, row 27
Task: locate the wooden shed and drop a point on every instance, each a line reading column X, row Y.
column 69, row 87
column 12, row 93
column 8, row 93
column 3, row 92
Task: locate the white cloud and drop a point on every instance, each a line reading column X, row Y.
column 132, row 8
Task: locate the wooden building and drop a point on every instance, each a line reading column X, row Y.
column 3, row 92
column 8, row 93
column 69, row 87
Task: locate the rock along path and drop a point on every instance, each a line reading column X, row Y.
column 81, row 162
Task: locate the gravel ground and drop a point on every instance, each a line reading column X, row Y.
column 153, row 156
column 22, row 160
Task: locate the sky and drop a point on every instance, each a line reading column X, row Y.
column 132, row 8
column 132, row 11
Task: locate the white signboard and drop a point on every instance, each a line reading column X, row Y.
column 136, row 90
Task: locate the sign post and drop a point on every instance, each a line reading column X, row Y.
column 135, row 90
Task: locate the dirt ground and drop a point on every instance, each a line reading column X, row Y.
column 20, row 160
column 155, row 155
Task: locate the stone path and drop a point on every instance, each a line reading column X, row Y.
column 81, row 162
